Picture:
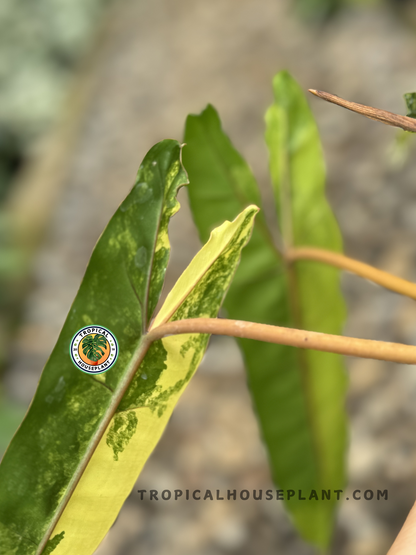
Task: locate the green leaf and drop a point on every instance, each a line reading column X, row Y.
column 410, row 99
column 85, row 439
column 119, row 293
column 298, row 176
column 154, row 391
column 298, row 395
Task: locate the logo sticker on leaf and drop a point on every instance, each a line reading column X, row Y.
column 94, row 349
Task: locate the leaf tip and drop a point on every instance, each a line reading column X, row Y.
column 252, row 208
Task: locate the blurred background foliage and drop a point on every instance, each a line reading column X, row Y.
column 324, row 10
column 41, row 45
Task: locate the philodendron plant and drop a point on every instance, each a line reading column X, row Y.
column 118, row 368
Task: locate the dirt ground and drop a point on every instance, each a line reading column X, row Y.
column 155, row 63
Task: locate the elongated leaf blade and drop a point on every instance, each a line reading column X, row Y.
column 298, row 395
column 71, row 503
column 120, row 290
column 145, row 409
column 298, row 176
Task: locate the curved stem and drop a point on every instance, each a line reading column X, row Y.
column 365, row 348
column 389, row 118
column 396, row 284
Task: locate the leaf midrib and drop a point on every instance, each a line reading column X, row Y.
column 135, row 362
column 294, row 304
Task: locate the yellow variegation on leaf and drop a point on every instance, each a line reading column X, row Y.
column 85, row 439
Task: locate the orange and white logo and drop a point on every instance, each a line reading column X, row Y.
column 94, row 349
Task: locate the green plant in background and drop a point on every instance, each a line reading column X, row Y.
column 86, row 437
column 298, row 395
column 319, row 11
column 12, row 266
column 410, row 99
column 11, row 415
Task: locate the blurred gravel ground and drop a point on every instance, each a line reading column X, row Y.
column 161, row 60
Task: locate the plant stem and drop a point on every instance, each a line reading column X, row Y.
column 303, row 339
column 396, row 284
column 389, row 118
column 365, row 348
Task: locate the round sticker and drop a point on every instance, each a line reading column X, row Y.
column 94, row 349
